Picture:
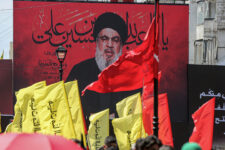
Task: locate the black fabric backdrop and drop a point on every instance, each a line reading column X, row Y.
column 205, row 82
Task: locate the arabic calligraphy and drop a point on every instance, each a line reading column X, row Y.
column 212, row 94
column 133, row 33
column 55, row 126
column 21, row 119
column 219, row 116
column 97, row 136
column 128, row 137
column 57, row 34
column 220, row 108
column 56, row 38
column 218, row 120
column 34, row 113
column 52, row 67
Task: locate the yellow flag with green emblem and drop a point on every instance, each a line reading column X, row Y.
column 129, row 105
column 73, row 96
column 26, row 116
column 127, row 130
column 53, row 110
column 98, row 129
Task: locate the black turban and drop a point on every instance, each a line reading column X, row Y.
column 113, row 21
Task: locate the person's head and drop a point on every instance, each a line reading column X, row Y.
column 110, row 33
column 165, row 147
column 139, row 145
column 110, row 141
column 152, row 143
column 112, row 148
column 191, row 146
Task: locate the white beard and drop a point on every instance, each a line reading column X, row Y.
column 102, row 62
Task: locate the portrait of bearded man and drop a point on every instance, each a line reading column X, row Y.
column 110, row 33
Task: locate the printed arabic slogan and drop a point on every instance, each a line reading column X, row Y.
column 206, row 82
column 219, row 117
column 40, row 27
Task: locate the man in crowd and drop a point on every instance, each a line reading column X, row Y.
column 148, row 143
column 110, row 143
column 110, row 33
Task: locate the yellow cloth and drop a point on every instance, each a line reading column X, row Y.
column 73, row 96
column 98, row 129
column 127, row 130
column 129, row 105
column 23, row 97
column 2, row 56
column 26, row 115
column 8, row 129
column 53, row 110
column 16, row 125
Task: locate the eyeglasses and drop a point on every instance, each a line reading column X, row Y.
column 115, row 39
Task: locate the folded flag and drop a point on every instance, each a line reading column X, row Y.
column 98, row 129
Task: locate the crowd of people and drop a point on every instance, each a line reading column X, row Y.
column 149, row 143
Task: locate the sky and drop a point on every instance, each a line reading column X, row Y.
column 6, row 26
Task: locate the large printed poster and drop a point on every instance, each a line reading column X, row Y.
column 206, row 82
column 41, row 27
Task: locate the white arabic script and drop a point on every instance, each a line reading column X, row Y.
column 218, row 120
column 211, row 94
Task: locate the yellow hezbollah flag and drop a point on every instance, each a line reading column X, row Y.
column 73, row 96
column 53, row 109
column 98, row 129
column 2, row 56
column 129, row 105
column 16, row 125
column 8, row 129
column 127, row 130
column 26, row 116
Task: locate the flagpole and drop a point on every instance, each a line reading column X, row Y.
column 155, row 117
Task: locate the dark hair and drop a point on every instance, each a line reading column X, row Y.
column 113, row 21
column 140, row 143
column 109, row 140
column 151, row 140
column 112, row 148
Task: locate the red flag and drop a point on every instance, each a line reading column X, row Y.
column 204, row 121
column 165, row 130
column 148, row 88
column 128, row 71
column 156, row 42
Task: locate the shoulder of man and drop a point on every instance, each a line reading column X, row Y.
column 81, row 68
column 83, row 64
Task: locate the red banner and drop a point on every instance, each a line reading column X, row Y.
column 40, row 27
column 6, row 97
